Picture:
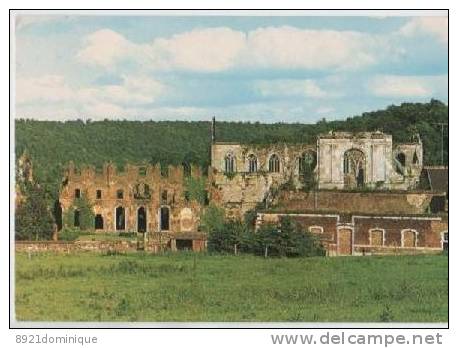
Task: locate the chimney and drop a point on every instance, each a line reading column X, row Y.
column 213, row 129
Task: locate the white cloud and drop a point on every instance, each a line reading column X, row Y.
column 300, row 88
column 437, row 26
column 52, row 92
column 48, row 88
column 407, row 86
column 212, row 49
column 219, row 49
column 288, row 47
column 106, row 47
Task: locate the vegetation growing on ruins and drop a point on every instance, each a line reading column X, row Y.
column 196, row 189
column 80, row 214
column 51, row 145
column 194, row 287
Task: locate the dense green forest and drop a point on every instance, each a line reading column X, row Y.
column 51, row 145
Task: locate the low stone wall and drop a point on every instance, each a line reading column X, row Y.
column 153, row 246
column 65, row 246
column 392, row 250
column 351, row 202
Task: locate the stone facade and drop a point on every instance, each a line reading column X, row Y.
column 141, row 198
column 247, row 175
column 347, row 161
column 323, row 186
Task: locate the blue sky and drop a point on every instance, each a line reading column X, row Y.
column 263, row 68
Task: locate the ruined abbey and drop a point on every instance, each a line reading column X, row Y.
column 360, row 193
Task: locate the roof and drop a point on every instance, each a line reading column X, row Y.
column 438, row 178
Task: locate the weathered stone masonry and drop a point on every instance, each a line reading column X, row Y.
column 140, row 198
column 388, row 217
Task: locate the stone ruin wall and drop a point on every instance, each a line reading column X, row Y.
column 243, row 190
column 184, row 214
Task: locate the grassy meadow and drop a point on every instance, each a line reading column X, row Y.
column 200, row 287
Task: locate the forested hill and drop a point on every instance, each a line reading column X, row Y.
column 53, row 144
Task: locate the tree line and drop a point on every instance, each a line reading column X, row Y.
column 52, row 144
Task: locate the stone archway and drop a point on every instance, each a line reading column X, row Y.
column 354, row 166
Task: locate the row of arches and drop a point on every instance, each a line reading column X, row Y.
column 306, row 163
column 120, row 219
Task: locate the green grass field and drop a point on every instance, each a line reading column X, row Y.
column 200, row 287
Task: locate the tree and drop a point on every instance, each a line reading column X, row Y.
column 212, row 219
column 229, row 237
column 33, row 220
column 285, row 239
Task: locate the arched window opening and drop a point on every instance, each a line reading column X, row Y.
column 141, row 220
column 165, row 219
column 307, row 163
column 252, row 164
column 98, row 222
column 401, row 157
column 354, row 163
column 229, row 163
column 346, row 165
column 120, row 219
column 142, row 191
column 415, row 158
column 274, row 164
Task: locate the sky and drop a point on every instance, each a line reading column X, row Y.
column 236, row 68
